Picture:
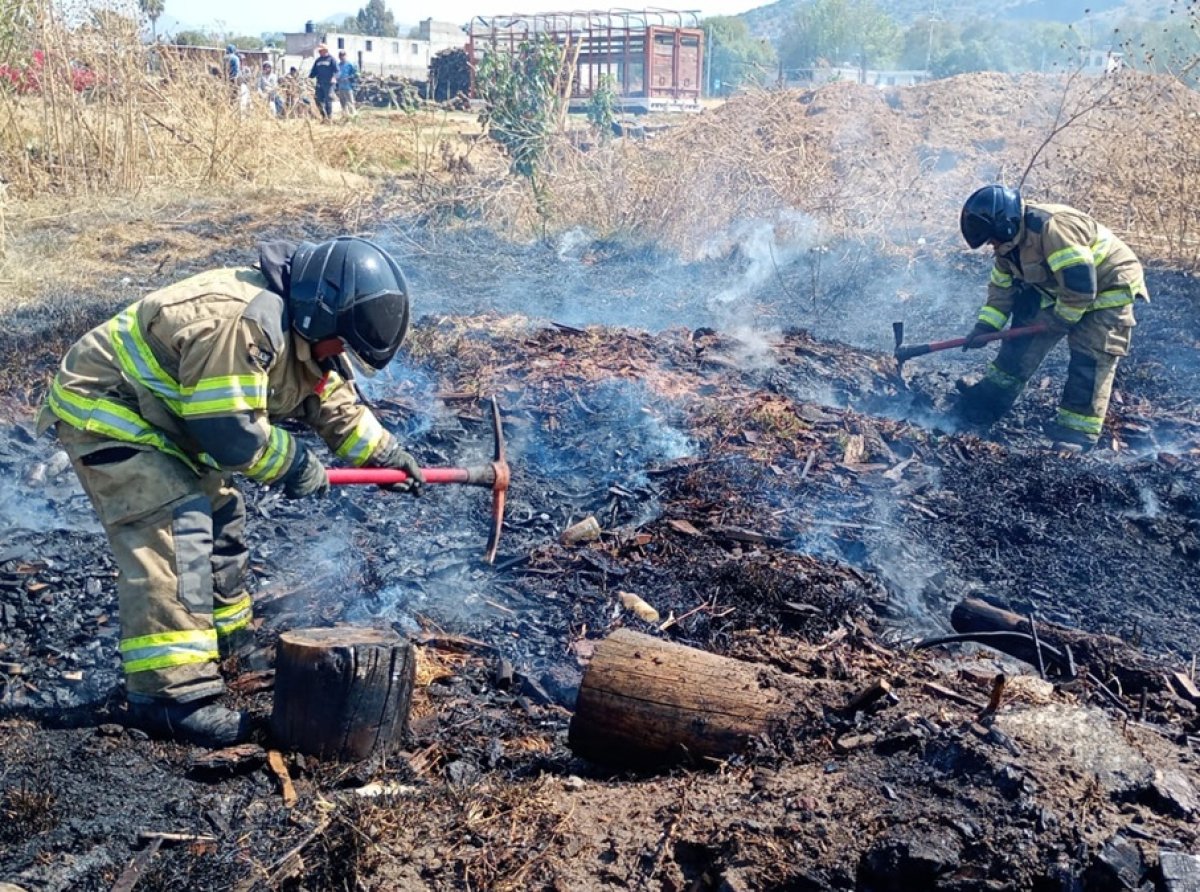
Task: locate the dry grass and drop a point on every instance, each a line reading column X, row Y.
column 134, row 159
column 106, row 144
column 87, row 243
column 886, row 168
column 106, row 115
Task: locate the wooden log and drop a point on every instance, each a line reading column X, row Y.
column 341, row 693
column 1104, row 656
column 646, row 702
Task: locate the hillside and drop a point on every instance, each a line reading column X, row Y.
column 771, row 20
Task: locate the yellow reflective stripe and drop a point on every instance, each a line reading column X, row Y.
column 1000, row 279
column 167, row 660
column 1071, row 255
column 1002, row 378
column 231, row 617
column 164, row 649
column 274, row 459
column 210, row 396
column 225, row 394
column 993, row 317
column 1068, row 313
column 365, row 439
column 113, row 420
column 1087, row 424
column 1115, row 297
column 138, row 361
column 157, row 639
column 333, row 382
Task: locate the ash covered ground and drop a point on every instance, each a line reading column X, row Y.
column 769, row 484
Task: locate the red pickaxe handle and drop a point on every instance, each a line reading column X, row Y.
column 911, row 350
column 495, row 476
column 383, row 476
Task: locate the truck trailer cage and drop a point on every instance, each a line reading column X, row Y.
column 655, row 57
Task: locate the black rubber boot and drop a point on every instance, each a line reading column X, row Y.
column 202, row 722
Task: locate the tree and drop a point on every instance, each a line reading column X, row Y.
column 838, row 31
column 524, row 94
column 245, row 41
column 152, row 9
column 735, row 57
column 376, row 20
column 195, row 38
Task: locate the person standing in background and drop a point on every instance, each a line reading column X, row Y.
column 324, row 71
column 347, row 80
column 268, row 89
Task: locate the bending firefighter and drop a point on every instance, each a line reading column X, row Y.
column 1057, row 267
column 159, row 406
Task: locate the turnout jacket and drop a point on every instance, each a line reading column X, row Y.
column 203, row 370
column 1076, row 264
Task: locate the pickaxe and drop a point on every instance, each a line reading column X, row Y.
column 904, row 353
column 494, row 475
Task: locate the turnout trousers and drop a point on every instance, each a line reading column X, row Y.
column 1096, row 343
column 178, row 537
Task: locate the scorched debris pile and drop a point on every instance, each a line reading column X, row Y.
column 744, row 513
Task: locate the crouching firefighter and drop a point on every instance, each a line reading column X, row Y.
column 157, row 408
column 1057, row 267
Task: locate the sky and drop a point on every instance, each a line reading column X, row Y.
column 241, row 17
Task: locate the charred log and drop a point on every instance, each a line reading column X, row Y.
column 1104, row 656
column 646, row 702
column 342, row 693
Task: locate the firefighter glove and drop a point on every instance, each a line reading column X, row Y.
column 979, row 329
column 307, row 476
column 392, row 456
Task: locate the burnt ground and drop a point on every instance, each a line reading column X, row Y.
column 763, row 479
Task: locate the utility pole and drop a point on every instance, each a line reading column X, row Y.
column 708, row 54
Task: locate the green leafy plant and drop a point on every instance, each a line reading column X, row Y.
column 602, row 106
column 523, row 101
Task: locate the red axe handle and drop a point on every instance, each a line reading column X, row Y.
column 908, row 352
column 345, row 476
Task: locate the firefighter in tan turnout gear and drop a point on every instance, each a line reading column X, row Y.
column 1055, row 266
column 159, row 406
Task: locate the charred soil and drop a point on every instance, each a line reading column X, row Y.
column 766, row 484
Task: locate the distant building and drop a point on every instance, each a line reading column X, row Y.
column 386, row 56
column 1100, row 62
column 653, row 57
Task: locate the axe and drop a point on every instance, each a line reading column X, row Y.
column 904, row 353
column 494, row 475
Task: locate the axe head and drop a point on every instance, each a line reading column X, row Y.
column 898, row 334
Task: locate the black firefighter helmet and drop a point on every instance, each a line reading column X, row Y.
column 350, row 288
column 993, row 212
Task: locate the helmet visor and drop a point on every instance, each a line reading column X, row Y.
column 976, row 230
column 361, row 367
column 375, row 325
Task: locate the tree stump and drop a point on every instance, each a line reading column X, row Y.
column 341, row 693
column 646, row 702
